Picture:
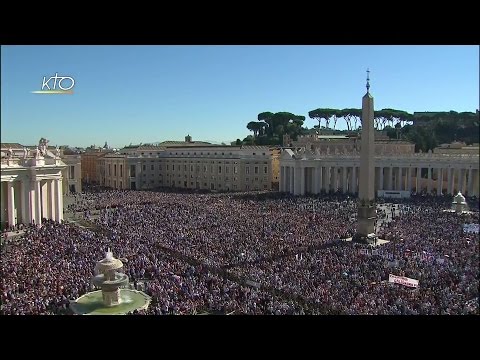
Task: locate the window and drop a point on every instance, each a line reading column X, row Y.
column 247, row 170
column 184, row 167
column 144, row 167
column 167, row 167
column 160, row 167
column 226, row 169
column 219, row 169
column 256, row 169
column 152, row 167
column 204, row 169
column 132, row 171
column 235, row 170
column 114, row 169
column 72, row 172
column 121, row 172
column 265, row 169
column 173, row 167
column 253, row 153
column 191, row 167
column 109, row 170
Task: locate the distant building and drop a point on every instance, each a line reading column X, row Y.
column 457, row 148
column 348, row 144
column 72, row 175
column 90, row 160
column 189, row 165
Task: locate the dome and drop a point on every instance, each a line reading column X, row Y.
column 459, row 198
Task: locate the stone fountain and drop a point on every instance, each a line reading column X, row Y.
column 109, row 280
column 459, row 204
column 112, row 298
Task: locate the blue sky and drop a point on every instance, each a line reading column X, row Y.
column 133, row 94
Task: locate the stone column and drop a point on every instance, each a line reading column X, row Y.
column 292, row 180
column 399, row 179
column 429, row 180
column 315, row 180
column 419, row 179
column 353, row 180
column 297, row 179
column 302, row 179
column 324, row 178
column 470, row 182
column 24, row 202
column 439, row 181
column 51, row 199
column 44, row 194
column 58, row 200
column 11, row 203
column 280, row 182
column 320, row 179
column 475, row 177
column 462, row 181
column 456, row 180
column 344, row 179
column 409, row 179
column 389, row 178
column 380, row 182
column 38, row 203
column 450, row 181
column 335, row 178
column 32, row 213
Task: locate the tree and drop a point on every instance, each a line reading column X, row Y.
column 322, row 113
column 249, row 140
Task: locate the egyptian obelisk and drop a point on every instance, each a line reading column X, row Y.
column 366, row 194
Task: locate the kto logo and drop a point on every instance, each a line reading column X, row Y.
column 57, row 85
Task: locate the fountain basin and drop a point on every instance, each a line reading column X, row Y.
column 110, row 285
column 92, row 303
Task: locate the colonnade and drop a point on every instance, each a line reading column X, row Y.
column 300, row 179
column 26, row 201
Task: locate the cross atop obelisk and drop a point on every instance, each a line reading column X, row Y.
column 368, row 80
column 366, row 193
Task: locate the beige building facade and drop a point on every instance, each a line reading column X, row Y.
column 187, row 166
column 72, row 174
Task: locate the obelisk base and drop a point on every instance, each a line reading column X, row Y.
column 365, row 224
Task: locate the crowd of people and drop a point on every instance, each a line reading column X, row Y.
column 195, row 253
